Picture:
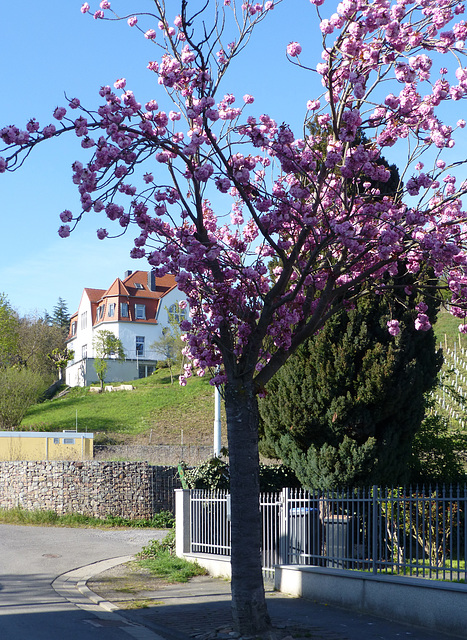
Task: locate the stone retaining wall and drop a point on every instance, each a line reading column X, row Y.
column 92, row 488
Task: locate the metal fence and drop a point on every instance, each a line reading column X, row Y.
column 415, row 532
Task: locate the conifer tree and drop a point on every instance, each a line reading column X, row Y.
column 344, row 410
column 61, row 315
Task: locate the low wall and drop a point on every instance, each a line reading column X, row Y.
column 92, row 488
column 438, row 606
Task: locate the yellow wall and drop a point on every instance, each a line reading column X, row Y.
column 16, row 445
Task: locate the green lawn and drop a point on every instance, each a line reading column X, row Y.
column 153, row 404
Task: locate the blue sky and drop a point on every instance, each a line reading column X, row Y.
column 47, row 53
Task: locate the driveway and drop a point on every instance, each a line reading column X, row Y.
column 31, row 558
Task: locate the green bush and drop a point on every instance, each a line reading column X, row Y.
column 213, row 474
column 160, row 559
column 156, row 547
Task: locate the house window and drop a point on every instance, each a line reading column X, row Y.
column 56, row 440
column 124, row 310
column 111, row 310
column 68, row 441
column 176, row 314
column 100, row 312
column 140, row 311
column 84, row 320
column 84, row 351
column 73, row 328
column 140, row 346
column 138, row 285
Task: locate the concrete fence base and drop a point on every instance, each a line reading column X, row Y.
column 438, row 606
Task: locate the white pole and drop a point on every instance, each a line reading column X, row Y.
column 217, row 422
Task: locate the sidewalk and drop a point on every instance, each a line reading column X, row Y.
column 201, row 609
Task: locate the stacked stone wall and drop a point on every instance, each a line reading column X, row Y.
column 92, row 488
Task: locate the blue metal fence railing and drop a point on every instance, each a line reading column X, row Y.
column 403, row 531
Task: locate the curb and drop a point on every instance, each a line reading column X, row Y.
column 72, row 586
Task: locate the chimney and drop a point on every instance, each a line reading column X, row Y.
column 151, row 281
column 128, row 273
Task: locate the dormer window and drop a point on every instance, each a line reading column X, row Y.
column 140, row 312
column 138, row 285
column 73, row 328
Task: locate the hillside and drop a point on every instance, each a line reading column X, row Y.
column 154, row 412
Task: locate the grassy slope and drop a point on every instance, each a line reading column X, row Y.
column 157, row 405
column 447, row 330
column 129, row 416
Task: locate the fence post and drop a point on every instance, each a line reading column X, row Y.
column 375, row 532
column 283, row 526
column 182, row 522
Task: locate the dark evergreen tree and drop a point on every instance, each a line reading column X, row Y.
column 61, row 316
column 344, row 410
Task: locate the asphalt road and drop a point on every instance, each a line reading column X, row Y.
column 31, row 558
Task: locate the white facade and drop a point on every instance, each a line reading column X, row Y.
column 134, row 314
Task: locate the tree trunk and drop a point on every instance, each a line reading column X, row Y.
column 249, row 609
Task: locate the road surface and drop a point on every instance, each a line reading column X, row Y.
column 31, row 558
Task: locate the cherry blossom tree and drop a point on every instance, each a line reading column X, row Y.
column 269, row 234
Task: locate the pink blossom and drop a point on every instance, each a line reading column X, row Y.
column 133, row 21
column 247, row 99
column 105, row 4
column 148, row 177
column 422, row 322
column 48, row 131
column 393, row 327
column 150, row 34
column 3, row 165
column 204, row 172
column 64, row 231
column 313, row 105
column 102, row 233
column 294, row 49
column 98, row 14
column 66, row 216
column 59, row 113
column 85, row 8
column 120, row 84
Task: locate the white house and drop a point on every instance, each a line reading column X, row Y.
column 135, row 309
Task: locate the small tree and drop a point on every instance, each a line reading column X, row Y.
column 9, row 336
column 168, row 347
column 37, row 340
column 60, row 358
column 106, row 345
column 19, row 389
